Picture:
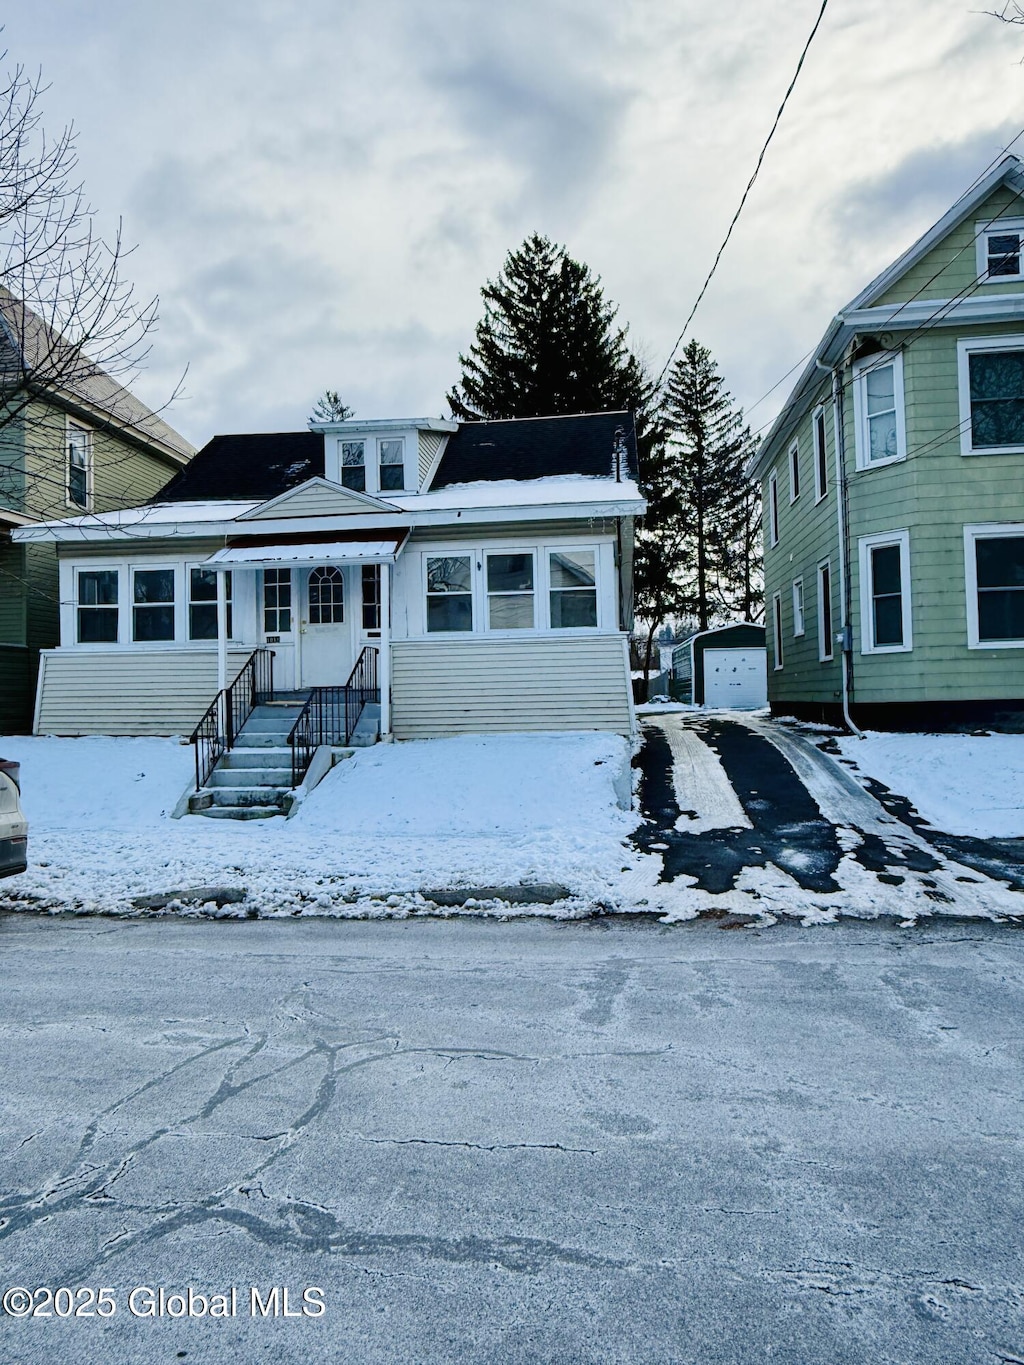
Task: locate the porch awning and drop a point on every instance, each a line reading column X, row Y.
column 381, row 551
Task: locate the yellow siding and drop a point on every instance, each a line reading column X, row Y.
column 452, row 687
column 152, row 692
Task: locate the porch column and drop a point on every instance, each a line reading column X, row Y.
column 384, row 673
column 222, row 644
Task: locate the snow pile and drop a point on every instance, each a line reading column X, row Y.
column 390, row 822
column 960, row 784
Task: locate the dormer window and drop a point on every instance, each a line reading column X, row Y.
column 392, row 464
column 1000, row 249
column 353, row 465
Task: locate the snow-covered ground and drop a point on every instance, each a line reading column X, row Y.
column 390, row 822
column 960, row 784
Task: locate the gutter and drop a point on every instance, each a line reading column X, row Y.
column 846, row 629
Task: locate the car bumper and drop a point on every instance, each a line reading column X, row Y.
column 13, row 856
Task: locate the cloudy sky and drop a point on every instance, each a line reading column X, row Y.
column 319, row 189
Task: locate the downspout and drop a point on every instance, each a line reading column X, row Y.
column 846, row 628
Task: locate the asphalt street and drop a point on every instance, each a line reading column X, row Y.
column 591, row 1141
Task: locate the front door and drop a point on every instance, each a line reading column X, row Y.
column 325, row 628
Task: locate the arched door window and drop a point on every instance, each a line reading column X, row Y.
column 326, row 596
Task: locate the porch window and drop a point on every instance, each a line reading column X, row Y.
column 326, row 596
column 371, row 597
column 1000, row 569
column 573, row 591
column 97, row 606
column 153, row 605
column 202, row 604
column 510, row 592
column 277, row 601
column 353, row 465
column 79, row 466
column 392, row 465
column 449, row 592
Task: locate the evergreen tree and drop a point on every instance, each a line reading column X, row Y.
column 705, row 458
column 547, row 344
column 330, row 408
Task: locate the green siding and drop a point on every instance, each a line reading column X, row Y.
column 932, row 494
column 951, row 266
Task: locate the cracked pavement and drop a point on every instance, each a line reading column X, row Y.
column 608, row 1140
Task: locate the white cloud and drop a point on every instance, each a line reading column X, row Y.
column 319, row 191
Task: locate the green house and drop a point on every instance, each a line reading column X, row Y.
column 72, row 441
column 893, row 485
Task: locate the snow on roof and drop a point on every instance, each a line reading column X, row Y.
column 556, row 489
column 151, row 514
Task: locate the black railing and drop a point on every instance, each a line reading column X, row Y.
column 230, row 709
column 331, row 714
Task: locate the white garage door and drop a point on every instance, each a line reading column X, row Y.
column 736, row 677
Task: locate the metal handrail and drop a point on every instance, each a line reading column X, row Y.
column 331, row 714
column 230, row 709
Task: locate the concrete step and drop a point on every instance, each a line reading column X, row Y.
column 240, row 812
column 249, row 796
column 263, row 739
column 367, row 729
column 269, row 778
column 264, row 755
column 276, row 720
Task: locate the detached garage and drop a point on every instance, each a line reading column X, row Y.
column 727, row 666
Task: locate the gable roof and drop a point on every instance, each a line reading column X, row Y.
column 262, row 465
column 316, row 497
column 33, row 352
column 844, row 326
column 539, row 447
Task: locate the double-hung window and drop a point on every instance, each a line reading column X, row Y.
column 878, row 410
column 999, row 247
column 79, row 471
column 798, row 606
column 510, row 591
column 449, row 592
column 97, row 606
column 820, row 454
column 824, row 611
column 773, row 509
column 152, row 605
column 994, row 556
column 392, row 464
column 991, row 395
column 777, row 630
column 794, row 471
column 885, row 593
column 572, row 588
column 277, row 601
column 353, row 465
column 202, row 604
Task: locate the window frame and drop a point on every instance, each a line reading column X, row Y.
column 488, row 553
column 371, row 603
column 261, row 601
column 157, row 566
column 989, row 530
column 861, row 426
column 545, row 621
column 819, row 444
column 382, row 441
column 825, row 637
column 794, row 472
column 997, row 227
column 778, row 649
column 879, row 541
column 69, row 427
column 461, row 552
column 352, row 441
column 99, row 567
column 965, row 348
column 190, row 602
column 773, row 509
column 799, row 620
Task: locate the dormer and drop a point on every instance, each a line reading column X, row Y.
column 380, row 457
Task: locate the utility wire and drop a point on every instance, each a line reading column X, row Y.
column 746, row 192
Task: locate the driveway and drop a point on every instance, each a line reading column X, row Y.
column 755, row 817
column 597, row 1141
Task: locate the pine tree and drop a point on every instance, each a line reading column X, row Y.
column 330, row 408
column 548, row 344
column 705, row 459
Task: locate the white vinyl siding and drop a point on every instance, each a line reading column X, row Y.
column 127, row 692
column 481, row 684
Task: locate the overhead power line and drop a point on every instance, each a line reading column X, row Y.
column 746, row 192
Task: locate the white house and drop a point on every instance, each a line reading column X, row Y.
column 483, row 569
